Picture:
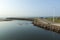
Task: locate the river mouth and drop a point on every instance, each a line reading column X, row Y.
column 25, row 30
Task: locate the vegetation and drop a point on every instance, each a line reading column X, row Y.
column 56, row 19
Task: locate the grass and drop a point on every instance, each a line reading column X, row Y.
column 57, row 20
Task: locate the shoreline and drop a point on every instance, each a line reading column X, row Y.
column 40, row 23
column 45, row 25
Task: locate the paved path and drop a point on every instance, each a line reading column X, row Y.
column 48, row 22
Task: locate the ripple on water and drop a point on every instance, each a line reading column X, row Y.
column 13, row 31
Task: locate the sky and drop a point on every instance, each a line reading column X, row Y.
column 29, row 8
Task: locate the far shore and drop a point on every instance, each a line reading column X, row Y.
column 10, row 19
column 5, row 20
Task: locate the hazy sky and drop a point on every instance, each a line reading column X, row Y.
column 21, row 8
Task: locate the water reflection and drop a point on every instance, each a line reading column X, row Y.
column 25, row 23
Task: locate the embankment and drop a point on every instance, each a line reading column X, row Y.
column 42, row 24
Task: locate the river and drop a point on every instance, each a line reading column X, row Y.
column 24, row 30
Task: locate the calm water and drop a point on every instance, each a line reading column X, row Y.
column 24, row 30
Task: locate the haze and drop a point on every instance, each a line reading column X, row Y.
column 29, row 8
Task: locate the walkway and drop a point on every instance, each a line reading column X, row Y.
column 48, row 22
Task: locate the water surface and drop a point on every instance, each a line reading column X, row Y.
column 24, row 30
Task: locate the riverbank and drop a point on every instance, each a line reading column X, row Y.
column 5, row 20
column 46, row 25
column 43, row 23
column 28, row 19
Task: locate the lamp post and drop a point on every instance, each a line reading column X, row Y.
column 53, row 14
